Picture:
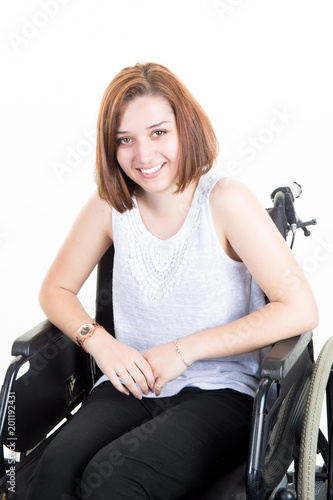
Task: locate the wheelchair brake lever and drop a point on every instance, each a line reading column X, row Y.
column 303, row 225
column 300, row 225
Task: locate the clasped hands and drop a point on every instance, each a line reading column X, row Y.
column 139, row 374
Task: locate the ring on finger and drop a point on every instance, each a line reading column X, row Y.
column 158, row 386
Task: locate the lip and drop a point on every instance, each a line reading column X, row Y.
column 154, row 174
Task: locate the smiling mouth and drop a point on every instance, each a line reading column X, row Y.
column 152, row 170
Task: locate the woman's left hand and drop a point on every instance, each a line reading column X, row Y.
column 165, row 363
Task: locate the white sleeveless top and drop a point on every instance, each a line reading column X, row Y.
column 167, row 289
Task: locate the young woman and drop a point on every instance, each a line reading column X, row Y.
column 194, row 255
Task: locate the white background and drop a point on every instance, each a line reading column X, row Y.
column 245, row 61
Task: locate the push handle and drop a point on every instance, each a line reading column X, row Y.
column 283, row 199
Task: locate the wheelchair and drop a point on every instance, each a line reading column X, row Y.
column 50, row 376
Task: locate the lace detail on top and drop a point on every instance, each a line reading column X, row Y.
column 156, row 264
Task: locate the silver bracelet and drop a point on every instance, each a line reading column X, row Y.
column 181, row 356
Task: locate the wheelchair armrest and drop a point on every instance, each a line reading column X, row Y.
column 39, row 337
column 57, row 377
column 283, row 355
column 278, row 411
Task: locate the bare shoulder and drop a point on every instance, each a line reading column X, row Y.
column 97, row 213
column 96, row 202
column 240, row 219
column 232, row 203
column 87, row 241
column 227, row 194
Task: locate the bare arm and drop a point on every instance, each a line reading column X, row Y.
column 85, row 244
column 89, row 238
column 247, row 233
column 245, row 229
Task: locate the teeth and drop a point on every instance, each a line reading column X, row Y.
column 152, row 170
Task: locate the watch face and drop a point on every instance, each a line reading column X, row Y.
column 84, row 330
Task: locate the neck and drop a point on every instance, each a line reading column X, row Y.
column 163, row 214
column 167, row 202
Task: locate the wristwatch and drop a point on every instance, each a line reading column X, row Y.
column 84, row 332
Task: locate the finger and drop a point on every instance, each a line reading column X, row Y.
column 147, row 371
column 158, row 387
column 139, row 378
column 131, row 385
column 118, row 385
column 135, row 376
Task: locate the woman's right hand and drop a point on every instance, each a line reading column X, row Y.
column 116, row 359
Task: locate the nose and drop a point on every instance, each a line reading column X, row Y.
column 144, row 152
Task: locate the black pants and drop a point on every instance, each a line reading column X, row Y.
column 118, row 447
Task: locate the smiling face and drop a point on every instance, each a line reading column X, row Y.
column 148, row 143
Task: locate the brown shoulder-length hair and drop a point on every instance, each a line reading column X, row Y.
column 198, row 143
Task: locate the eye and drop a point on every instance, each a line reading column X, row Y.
column 158, row 133
column 123, row 141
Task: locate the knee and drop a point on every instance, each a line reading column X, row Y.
column 110, row 477
column 52, row 478
column 99, row 474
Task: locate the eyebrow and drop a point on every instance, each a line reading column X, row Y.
column 148, row 128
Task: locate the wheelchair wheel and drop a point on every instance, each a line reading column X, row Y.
column 307, row 488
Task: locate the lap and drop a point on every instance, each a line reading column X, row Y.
column 105, row 415
column 199, row 435
column 159, row 440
